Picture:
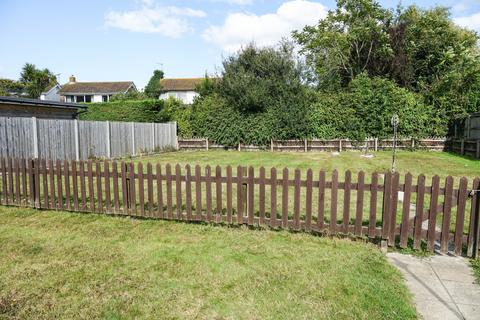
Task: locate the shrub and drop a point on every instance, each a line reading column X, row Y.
column 125, row 110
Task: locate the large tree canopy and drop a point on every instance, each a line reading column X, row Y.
column 421, row 50
column 36, row 80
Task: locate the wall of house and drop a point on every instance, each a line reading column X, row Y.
column 51, row 95
column 186, row 97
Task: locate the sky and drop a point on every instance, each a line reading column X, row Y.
column 125, row 40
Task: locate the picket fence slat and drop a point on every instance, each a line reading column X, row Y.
column 102, row 187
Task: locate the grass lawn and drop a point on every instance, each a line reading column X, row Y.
column 65, row 265
column 428, row 163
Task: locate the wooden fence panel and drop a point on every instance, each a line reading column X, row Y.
column 218, row 191
column 62, row 184
column 419, row 212
column 372, row 222
column 407, row 192
column 178, row 191
column 285, row 198
column 462, row 199
column 359, row 204
column 188, row 192
column 160, row 211
column 447, row 211
column 321, row 201
column 346, row 201
column 432, row 215
column 308, row 200
column 296, row 200
column 333, row 204
column 261, row 196
column 273, row 198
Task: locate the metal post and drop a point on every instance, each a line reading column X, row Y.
column 35, row 137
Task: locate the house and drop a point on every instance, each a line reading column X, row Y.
column 22, row 107
column 51, row 93
column 180, row 88
column 75, row 91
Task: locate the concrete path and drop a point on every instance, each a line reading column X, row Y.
column 443, row 287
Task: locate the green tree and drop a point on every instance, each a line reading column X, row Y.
column 257, row 78
column 353, row 39
column 8, row 87
column 36, row 80
column 153, row 88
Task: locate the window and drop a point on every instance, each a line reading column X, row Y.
column 105, row 98
column 88, row 98
column 69, row 99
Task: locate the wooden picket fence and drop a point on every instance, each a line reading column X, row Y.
column 443, row 217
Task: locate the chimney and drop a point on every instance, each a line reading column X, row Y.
column 72, row 79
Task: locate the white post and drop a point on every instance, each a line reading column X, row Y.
column 35, row 137
column 132, row 124
column 206, row 143
column 77, row 142
column 109, row 145
column 340, row 145
column 306, row 146
column 271, row 145
column 375, row 144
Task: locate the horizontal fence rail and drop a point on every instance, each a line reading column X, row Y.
column 463, row 147
column 439, row 215
column 80, row 140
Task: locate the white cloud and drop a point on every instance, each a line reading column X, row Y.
column 237, row 2
column 242, row 28
column 470, row 22
column 168, row 21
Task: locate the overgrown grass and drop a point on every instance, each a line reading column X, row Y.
column 65, row 265
column 476, row 269
column 418, row 162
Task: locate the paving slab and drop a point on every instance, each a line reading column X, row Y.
column 443, row 287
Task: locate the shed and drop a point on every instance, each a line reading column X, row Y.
column 22, row 107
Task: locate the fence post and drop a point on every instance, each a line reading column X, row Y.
column 132, row 124
column 153, row 136
column 35, row 137
column 271, row 145
column 462, row 147
column 375, row 144
column 77, row 142
column 206, row 143
column 340, row 145
column 107, row 135
column 413, row 143
column 306, row 146
column 477, row 154
column 239, row 146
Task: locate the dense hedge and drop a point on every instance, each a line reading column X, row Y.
column 125, row 110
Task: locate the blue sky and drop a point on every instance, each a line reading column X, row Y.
column 113, row 40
